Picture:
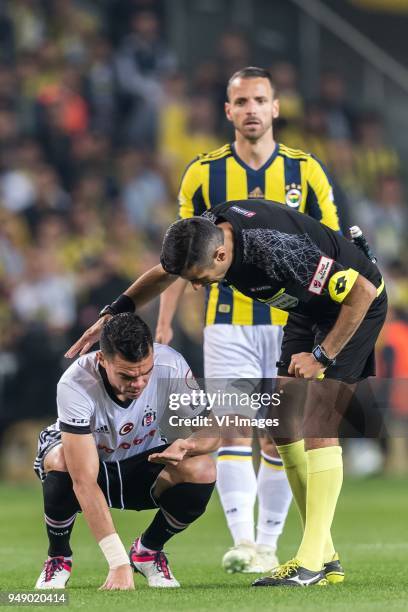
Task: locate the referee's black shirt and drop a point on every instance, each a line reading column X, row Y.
column 291, row 261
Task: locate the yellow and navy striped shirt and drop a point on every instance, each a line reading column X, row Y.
column 290, row 177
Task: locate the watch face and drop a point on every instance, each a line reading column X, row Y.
column 318, row 354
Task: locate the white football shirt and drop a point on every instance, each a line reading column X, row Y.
column 85, row 402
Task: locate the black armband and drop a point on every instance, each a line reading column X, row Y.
column 123, row 304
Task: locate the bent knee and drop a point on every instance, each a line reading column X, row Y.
column 199, row 469
column 55, row 460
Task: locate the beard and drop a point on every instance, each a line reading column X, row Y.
column 253, row 132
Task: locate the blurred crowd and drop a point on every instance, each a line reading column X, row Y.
column 98, row 120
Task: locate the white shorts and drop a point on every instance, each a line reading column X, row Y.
column 242, row 351
column 240, row 357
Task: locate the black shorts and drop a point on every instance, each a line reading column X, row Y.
column 125, row 484
column 355, row 362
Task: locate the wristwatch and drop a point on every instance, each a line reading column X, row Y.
column 322, row 357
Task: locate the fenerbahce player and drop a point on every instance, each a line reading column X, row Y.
column 281, row 257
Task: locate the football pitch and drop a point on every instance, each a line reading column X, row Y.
column 370, row 533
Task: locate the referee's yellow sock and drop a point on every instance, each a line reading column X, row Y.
column 294, row 461
column 324, row 480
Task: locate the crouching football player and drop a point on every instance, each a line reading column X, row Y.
column 106, row 451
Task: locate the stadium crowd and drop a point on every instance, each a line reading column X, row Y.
column 98, row 120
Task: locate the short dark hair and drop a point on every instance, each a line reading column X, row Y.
column 190, row 242
column 127, row 335
column 251, row 72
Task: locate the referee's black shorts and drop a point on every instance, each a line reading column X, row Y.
column 355, row 362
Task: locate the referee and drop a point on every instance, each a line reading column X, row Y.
column 243, row 337
column 278, row 256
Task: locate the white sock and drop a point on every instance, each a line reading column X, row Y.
column 274, row 497
column 236, row 485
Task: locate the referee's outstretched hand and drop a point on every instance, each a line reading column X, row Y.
column 88, row 338
column 164, row 334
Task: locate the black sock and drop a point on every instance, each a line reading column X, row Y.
column 179, row 506
column 60, row 508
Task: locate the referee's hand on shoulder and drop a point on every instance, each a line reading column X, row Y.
column 164, row 334
column 88, row 338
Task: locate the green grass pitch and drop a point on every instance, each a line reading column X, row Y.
column 370, row 533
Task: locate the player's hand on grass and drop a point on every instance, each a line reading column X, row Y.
column 175, row 453
column 119, row 579
column 164, row 334
column 88, row 338
column 304, row 365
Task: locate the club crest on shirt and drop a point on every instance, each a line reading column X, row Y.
column 149, row 416
column 293, row 195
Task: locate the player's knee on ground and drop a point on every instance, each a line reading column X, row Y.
column 55, row 460
column 199, row 469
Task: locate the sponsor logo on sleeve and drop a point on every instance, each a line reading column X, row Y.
column 341, row 283
column 321, row 275
column 242, row 211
